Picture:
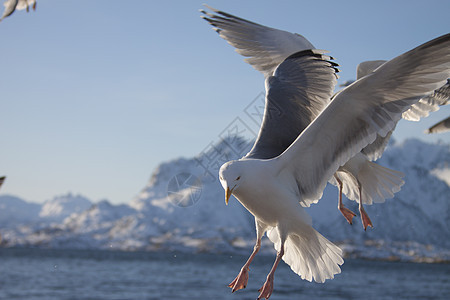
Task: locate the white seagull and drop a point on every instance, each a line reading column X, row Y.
column 267, row 48
column 12, row 5
column 271, row 189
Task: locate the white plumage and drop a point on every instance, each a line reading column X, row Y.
column 271, row 186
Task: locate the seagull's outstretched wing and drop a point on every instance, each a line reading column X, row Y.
column 442, row 126
column 428, row 104
column 369, row 106
column 367, row 67
column 299, row 90
column 419, row 110
column 442, row 95
column 265, row 47
column 10, row 7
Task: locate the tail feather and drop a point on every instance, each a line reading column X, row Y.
column 378, row 183
column 309, row 254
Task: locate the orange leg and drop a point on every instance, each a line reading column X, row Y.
column 347, row 213
column 240, row 282
column 267, row 288
column 364, row 217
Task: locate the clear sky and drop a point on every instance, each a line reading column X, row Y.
column 95, row 94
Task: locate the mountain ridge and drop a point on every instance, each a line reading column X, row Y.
column 182, row 208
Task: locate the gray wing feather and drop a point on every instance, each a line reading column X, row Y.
column 264, row 46
column 367, row 67
column 428, row 104
column 417, row 111
column 299, row 90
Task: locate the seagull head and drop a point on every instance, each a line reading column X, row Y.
column 230, row 176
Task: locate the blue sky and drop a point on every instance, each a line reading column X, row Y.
column 95, row 94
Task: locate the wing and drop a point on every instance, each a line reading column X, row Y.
column 422, row 108
column 265, row 47
column 440, row 127
column 367, row 67
column 10, row 7
column 369, row 106
column 428, row 104
column 417, row 111
column 300, row 89
column 442, row 95
column 25, row 4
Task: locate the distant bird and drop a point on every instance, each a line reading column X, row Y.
column 12, row 5
column 2, row 179
column 442, row 126
column 266, row 48
column 271, row 189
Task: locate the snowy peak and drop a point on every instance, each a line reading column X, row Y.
column 14, row 211
column 60, row 207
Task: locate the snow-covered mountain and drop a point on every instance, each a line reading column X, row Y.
column 15, row 211
column 60, row 207
column 182, row 207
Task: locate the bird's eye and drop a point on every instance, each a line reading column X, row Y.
column 220, row 177
column 239, row 177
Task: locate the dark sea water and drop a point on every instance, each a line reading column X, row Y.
column 67, row 274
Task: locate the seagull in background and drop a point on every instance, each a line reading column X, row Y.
column 271, row 188
column 442, row 126
column 265, row 48
column 357, row 185
column 12, row 5
column 2, row 179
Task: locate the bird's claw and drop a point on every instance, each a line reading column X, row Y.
column 266, row 289
column 348, row 214
column 240, row 282
column 366, row 220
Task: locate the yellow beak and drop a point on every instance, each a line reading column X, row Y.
column 228, row 193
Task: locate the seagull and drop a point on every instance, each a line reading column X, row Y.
column 12, row 5
column 274, row 190
column 2, row 179
column 374, row 183
column 442, row 126
column 266, row 48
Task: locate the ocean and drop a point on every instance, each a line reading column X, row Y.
column 94, row 274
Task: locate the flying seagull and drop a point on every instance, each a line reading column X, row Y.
column 271, row 189
column 442, row 126
column 12, row 5
column 266, row 48
column 2, row 179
